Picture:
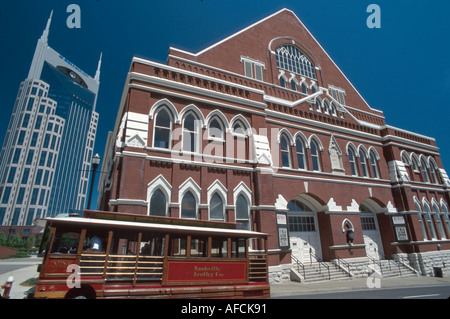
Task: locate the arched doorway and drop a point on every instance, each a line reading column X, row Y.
column 370, row 229
column 304, row 232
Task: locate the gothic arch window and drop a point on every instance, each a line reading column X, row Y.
column 433, row 169
column 326, row 107
column 419, row 216
column 283, row 81
column 429, row 218
column 239, row 132
column 437, row 214
column 352, row 160
column 191, row 128
column 158, row 203
column 300, row 149
column 315, row 156
column 216, row 208
column 242, row 213
column 333, row 109
column 292, row 59
column 363, row 162
column 304, row 88
column 405, row 158
column 415, row 163
column 238, row 128
column 162, row 129
column 216, row 129
column 446, row 214
column 158, row 196
column 189, row 206
column 374, row 164
column 285, row 151
column 294, row 85
column 424, row 165
column 318, row 105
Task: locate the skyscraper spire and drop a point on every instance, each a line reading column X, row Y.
column 97, row 73
column 42, row 44
column 44, row 36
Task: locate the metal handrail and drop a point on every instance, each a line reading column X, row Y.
column 408, row 264
column 346, row 264
column 299, row 264
column 391, row 261
column 377, row 262
column 311, row 255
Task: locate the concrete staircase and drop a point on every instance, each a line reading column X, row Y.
column 318, row 271
column 390, row 268
column 322, row 271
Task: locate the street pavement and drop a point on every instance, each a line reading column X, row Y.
column 279, row 290
column 286, row 289
column 14, row 267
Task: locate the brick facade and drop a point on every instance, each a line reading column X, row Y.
column 276, row 144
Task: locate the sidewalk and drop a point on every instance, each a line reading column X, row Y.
column 20, row 275
column 295, row 288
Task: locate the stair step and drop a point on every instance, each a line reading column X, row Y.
column 315, row 273
column 312, row 271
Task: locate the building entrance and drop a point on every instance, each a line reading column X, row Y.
column 304, row 232
column 371, row 233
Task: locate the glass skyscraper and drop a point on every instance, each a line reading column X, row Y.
column 47, row 151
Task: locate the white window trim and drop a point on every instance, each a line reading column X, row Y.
column 217, row 187
column 162, row 184
column 190, row 185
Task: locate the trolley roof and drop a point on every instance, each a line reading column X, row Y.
column 170, row 228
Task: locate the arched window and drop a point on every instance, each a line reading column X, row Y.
column 429, row 218
column 158, row 204
column 190, row 133
column 238, row 128
column 304, row 88
column 300, row 148
column 352, row 160
column 446, row 215
column 189, row 206
column 301, row 217
column 415, row 163
column 315, row 156
column 373, row 163
column 326, row 107
column 285, row 154
column 239, row 138
column 318, row 106
column 282, row 82
column 293, row 85
column 163, row 129
column 294, row 60
column 419, row 215
column 333, row 109
column 433, row 168
column 242, row 213
column 216, row 129
column 423, row 164
column 216, row 208
column 437, row 214
column 362, row 160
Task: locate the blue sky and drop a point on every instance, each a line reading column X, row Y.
column 402, row 69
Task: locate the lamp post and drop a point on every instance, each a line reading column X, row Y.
column 95, row 163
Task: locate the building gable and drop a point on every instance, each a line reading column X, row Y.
column 254, row 50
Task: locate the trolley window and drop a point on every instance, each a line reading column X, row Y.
column 66, row 241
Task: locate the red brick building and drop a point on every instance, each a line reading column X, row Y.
column 264, row 129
